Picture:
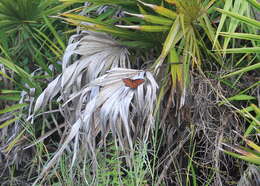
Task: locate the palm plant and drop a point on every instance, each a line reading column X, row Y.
column 28, row 40
column 238, row 15
column 101, row 98
column 27, row 21
column 252, row 25
column 89, row 93
column 107, row 94
column 177, row 31
column 179, row 25
column 242, row 14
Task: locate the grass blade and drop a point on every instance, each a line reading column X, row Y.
column 13, row 108
column 245, row 69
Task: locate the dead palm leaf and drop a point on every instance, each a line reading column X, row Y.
column 97, row 53
column 111, row 108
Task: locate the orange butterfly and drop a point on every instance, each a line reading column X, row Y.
column 133, row 83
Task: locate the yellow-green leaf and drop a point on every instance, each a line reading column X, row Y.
column 146, row 28
column 245, row 69
column 13, row 108
column 161, row 10
column 153, row 19
column 168, row 43
column 244, row 19
column 7, row 123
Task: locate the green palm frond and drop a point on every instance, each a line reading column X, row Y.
column 237, row 13
column 16, row 14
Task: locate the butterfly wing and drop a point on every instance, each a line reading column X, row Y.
column 138, row 82
column 133, row 83
column 127, row 82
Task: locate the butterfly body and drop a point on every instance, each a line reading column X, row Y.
column 132, row 83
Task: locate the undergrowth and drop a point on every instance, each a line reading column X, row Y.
column 153, row 92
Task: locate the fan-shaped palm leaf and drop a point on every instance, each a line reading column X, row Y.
column 107, row 105
column 98, row 53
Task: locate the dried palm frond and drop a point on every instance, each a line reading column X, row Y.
column 87, row 57
column 108, row 106
column 97, row 53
